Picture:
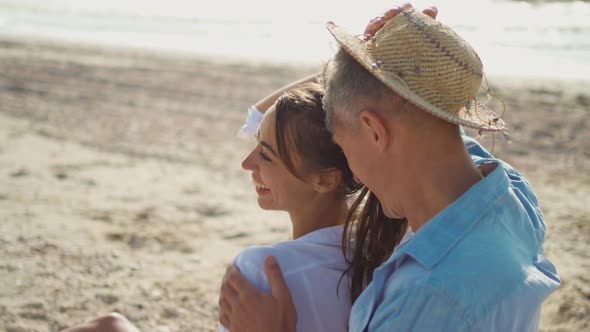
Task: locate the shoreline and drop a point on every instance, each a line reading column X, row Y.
column 7, row 42
column 121, row 189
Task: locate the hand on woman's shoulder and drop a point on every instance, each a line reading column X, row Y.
column 250, row 261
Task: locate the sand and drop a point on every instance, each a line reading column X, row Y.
column 121, row 187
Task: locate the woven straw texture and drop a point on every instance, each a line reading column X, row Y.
column 426, row 63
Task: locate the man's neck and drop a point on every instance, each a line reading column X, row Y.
column 436, row 177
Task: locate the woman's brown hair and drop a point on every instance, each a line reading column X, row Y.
column 303, row 142
column 369, row 239
column 369, row 236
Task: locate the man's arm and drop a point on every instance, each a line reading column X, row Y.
column 256, row 111
column 265, row 103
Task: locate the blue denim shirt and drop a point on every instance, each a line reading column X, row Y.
column 476, row 266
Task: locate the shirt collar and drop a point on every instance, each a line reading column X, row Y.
column 327, row 235
column 435, row 238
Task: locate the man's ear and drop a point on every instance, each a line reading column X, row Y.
column 373, row 125
column 326, row 180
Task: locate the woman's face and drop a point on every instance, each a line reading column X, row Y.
column 276, row 186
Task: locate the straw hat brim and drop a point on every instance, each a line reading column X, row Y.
column 478, row 116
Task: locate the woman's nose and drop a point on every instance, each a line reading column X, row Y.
column 248, row 163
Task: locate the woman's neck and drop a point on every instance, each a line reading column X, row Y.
column 319, row 213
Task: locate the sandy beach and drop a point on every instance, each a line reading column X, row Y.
column 121, row 187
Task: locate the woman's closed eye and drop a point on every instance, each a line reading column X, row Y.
column 264, row 156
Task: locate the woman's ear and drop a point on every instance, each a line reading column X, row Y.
column 326, row 180
column 374, row 127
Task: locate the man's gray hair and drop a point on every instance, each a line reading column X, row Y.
column 344, row 79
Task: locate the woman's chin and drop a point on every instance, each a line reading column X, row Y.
column 265, row 204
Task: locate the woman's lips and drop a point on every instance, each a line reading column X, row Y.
column 261, row 190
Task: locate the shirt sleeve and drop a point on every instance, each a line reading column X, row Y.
column 419, row 309
column 523, row 190
column 250, row 262
column 521, row 187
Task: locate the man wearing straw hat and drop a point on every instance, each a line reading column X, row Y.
column 395, row 99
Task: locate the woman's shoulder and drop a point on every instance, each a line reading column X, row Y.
column 250, row 261
column 253, row 255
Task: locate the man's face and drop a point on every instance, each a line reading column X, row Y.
column 368, row 164
column 346, row 138
column 355, row 145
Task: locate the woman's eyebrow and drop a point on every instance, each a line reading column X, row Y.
column 266, row 145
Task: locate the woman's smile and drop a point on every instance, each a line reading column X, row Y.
column 262, row 190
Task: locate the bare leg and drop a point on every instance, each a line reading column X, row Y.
column 112, row 322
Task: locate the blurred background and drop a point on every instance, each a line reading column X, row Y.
column 523, row 38
column 120, row 180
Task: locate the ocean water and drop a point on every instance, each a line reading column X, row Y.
column 513, row 38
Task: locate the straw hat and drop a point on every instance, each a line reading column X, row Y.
column 426, row 63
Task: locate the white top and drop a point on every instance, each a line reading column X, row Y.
column 312, row 266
